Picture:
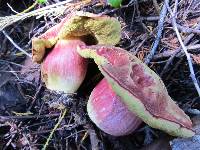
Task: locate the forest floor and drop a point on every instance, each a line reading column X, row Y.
column 27, row 108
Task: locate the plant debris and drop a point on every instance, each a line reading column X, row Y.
column 168, row 42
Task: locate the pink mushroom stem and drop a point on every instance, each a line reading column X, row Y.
column 109, row 113
column 64, row 69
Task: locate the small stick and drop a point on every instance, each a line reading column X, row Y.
column 15, row 45
column 193, row 111
column 168, row 63
column 149, row 18
column 54, row 129
column 170, row 53
column 28, row 117
column 35, row 97
column 29, row 8
column 188, row 30
column 155, row 3
column 191, row 47
column 163, row 13
column 192, row 74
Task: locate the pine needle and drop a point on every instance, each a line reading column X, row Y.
column 29, row 8
column 54, row 129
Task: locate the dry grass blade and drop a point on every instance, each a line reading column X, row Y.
column 55, row 9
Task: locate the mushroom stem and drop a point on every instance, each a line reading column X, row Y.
column 64, row 69
column 109, row 113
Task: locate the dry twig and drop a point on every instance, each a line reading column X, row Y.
column 188, row 30
column 171, row 53
column 159, row 33
column 15, row 45
column 155, row 3
column 192, row 74
column 55, row 127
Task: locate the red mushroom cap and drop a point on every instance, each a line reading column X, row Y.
column 140, row 88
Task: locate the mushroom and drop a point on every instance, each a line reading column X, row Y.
column 109, row 113
column 140, row 89
column 62, row 68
